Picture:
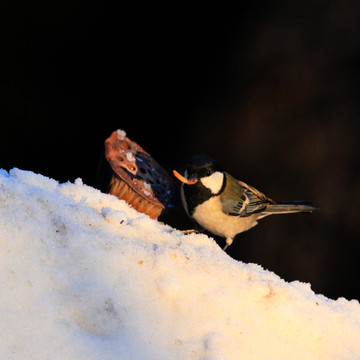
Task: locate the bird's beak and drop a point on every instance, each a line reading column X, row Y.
column 183, row 179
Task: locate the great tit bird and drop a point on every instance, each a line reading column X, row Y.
column 225, row 206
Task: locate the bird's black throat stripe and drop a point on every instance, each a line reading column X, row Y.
column 197, row 194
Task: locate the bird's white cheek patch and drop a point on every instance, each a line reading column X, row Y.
column 213, row 182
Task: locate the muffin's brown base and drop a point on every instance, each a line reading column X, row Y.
column 122, row 190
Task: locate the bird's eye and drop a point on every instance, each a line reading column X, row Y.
column 208, row 172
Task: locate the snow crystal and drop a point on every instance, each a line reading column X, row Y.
column 85, row 276
column 121, row 134
column 130, row 156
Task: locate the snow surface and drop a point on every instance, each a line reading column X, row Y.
column 84, row 276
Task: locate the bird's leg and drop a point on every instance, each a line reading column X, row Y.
column 229, row 241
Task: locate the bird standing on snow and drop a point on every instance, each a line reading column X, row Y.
column 225, row 206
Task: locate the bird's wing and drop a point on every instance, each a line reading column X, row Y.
column 243, row 200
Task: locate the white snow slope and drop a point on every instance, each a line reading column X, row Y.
column 84, row 276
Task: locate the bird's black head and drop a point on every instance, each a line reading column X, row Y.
column 203, row 179
column 201, row 167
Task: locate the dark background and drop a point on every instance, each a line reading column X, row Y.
column 269, row 89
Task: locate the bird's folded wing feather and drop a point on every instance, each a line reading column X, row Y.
column 243, row 200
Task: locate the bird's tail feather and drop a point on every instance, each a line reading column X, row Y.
column 289, row 207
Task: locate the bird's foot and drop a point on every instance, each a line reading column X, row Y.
column 190, row 231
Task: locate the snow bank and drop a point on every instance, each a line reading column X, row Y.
column 84, row 276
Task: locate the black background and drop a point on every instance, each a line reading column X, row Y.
column 268, row 89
